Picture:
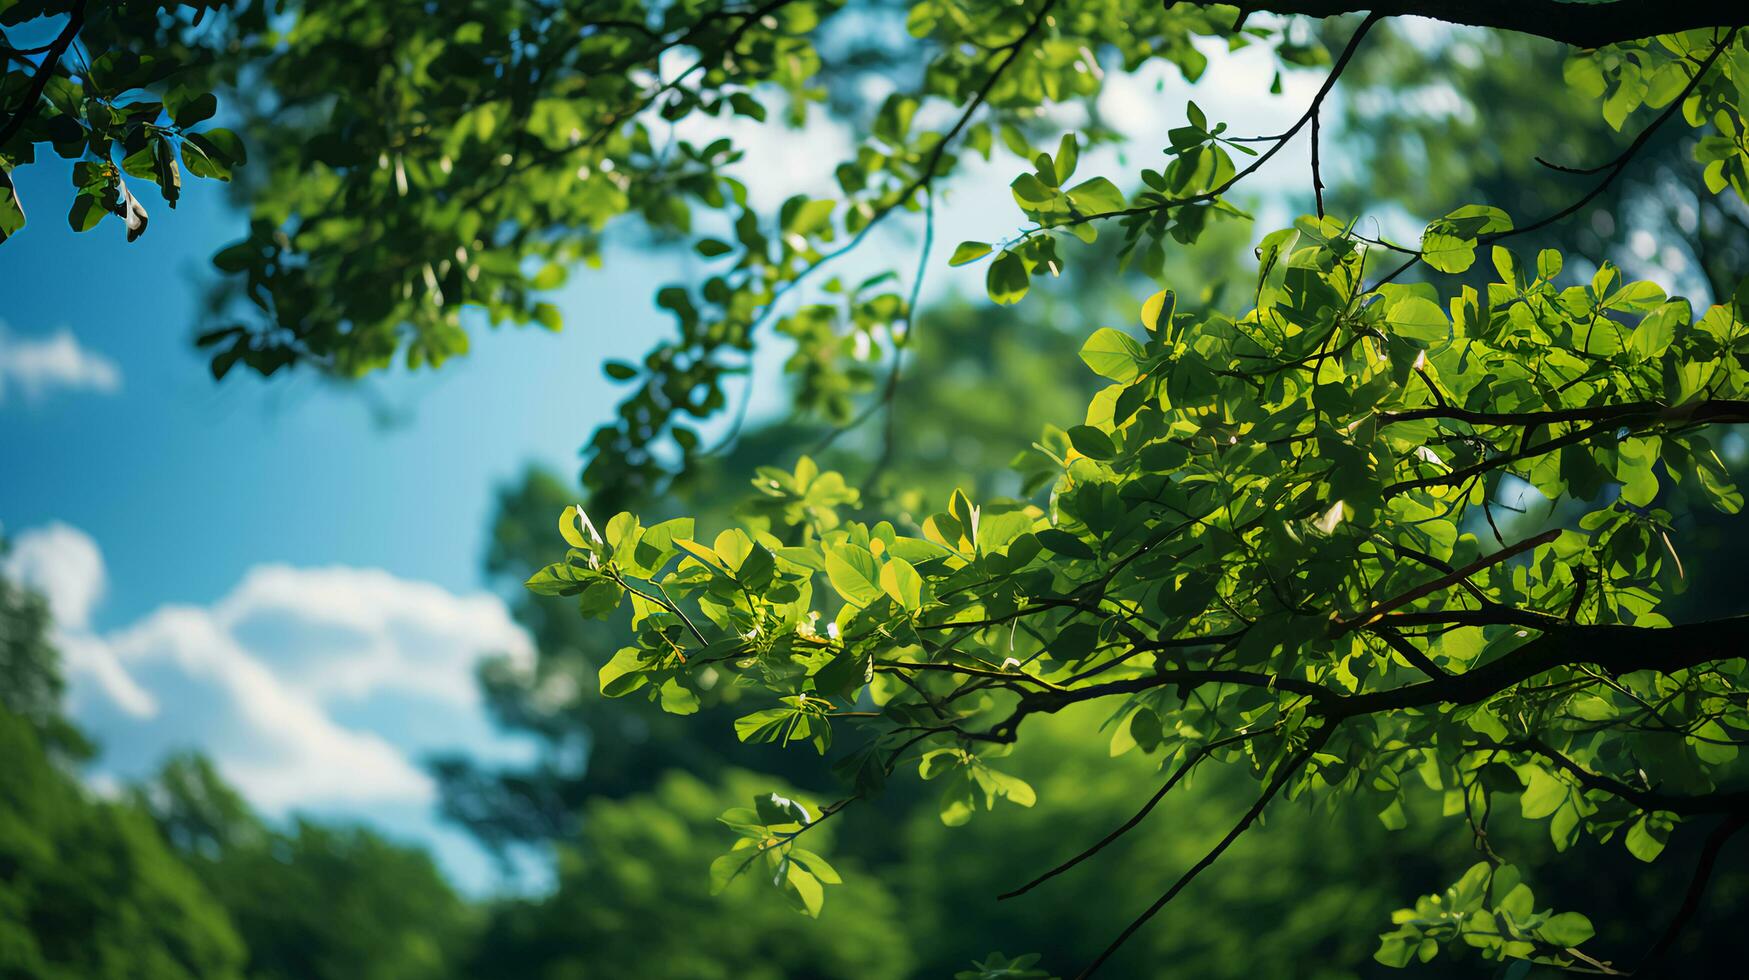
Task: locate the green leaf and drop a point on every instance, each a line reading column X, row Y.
column 1418, row 318
column 623, row 674
column 901, row 581
column 190, row 108
column 220, row 145
column 678, row 699
column 763, row 726
column 1007, row 280
column 1065, row 544
column 804, row 889
column 853, row 571
column 1097, row 196
column 555, row 579
column 11, row 208
column 775, row 809
column 1449, row 244
column 1033, row 194
column 1091, row 442
column 727, row 868
column 1113, row 354
column 87, row 211
column 1158, row 310
column 1068, row 155
column 1566, row 929
column 1647, row 836
column 969, row 252
column 199, row 156
column 1543, row 795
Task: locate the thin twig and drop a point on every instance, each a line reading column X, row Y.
column 1184, row 769
column 1703, row 871
column 1287, row 771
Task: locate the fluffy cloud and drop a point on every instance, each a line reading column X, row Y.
column 39, row 365
column 63, row 563
column 308, row 687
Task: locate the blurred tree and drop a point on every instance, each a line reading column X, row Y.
column 633, row 899
column 1433, row 119
column 88, row 890
column 314, row 901
column 31, row 685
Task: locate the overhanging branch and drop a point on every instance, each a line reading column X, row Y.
column 1579, row 24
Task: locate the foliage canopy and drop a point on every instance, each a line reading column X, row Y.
column 1273, row 538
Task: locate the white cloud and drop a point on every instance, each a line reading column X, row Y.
column 62, row 563
column 39, row 365
column 307, row 687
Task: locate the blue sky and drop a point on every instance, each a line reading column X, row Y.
column 186, row 487
column 285, row 573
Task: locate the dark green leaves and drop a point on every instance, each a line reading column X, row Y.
column 1064, row 543
column 213, row 153
column 190, row 108
column 1091, row 442
column 11, row 208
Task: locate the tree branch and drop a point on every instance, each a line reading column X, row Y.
column 44, row 71
column 1445, row 581
column 1583, row 25
column 1626, row 413
column 1616, row 649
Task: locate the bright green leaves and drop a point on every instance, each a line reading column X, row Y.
column 577, row 530
column 623, row 673
column 900, row 581
column 1563, row 804
column 1097, row 196
column 1040, row 193
column 967, row 784
column 805, row 497
column 1489, row 909
column 766, row 837
column 855, row 573
column 969, row 252
column 861, row 578
column 802, row 217
column 1008, row 279
column 1412, row 313
column 1113, row 354
column 801, row 719
column 1449, row 244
